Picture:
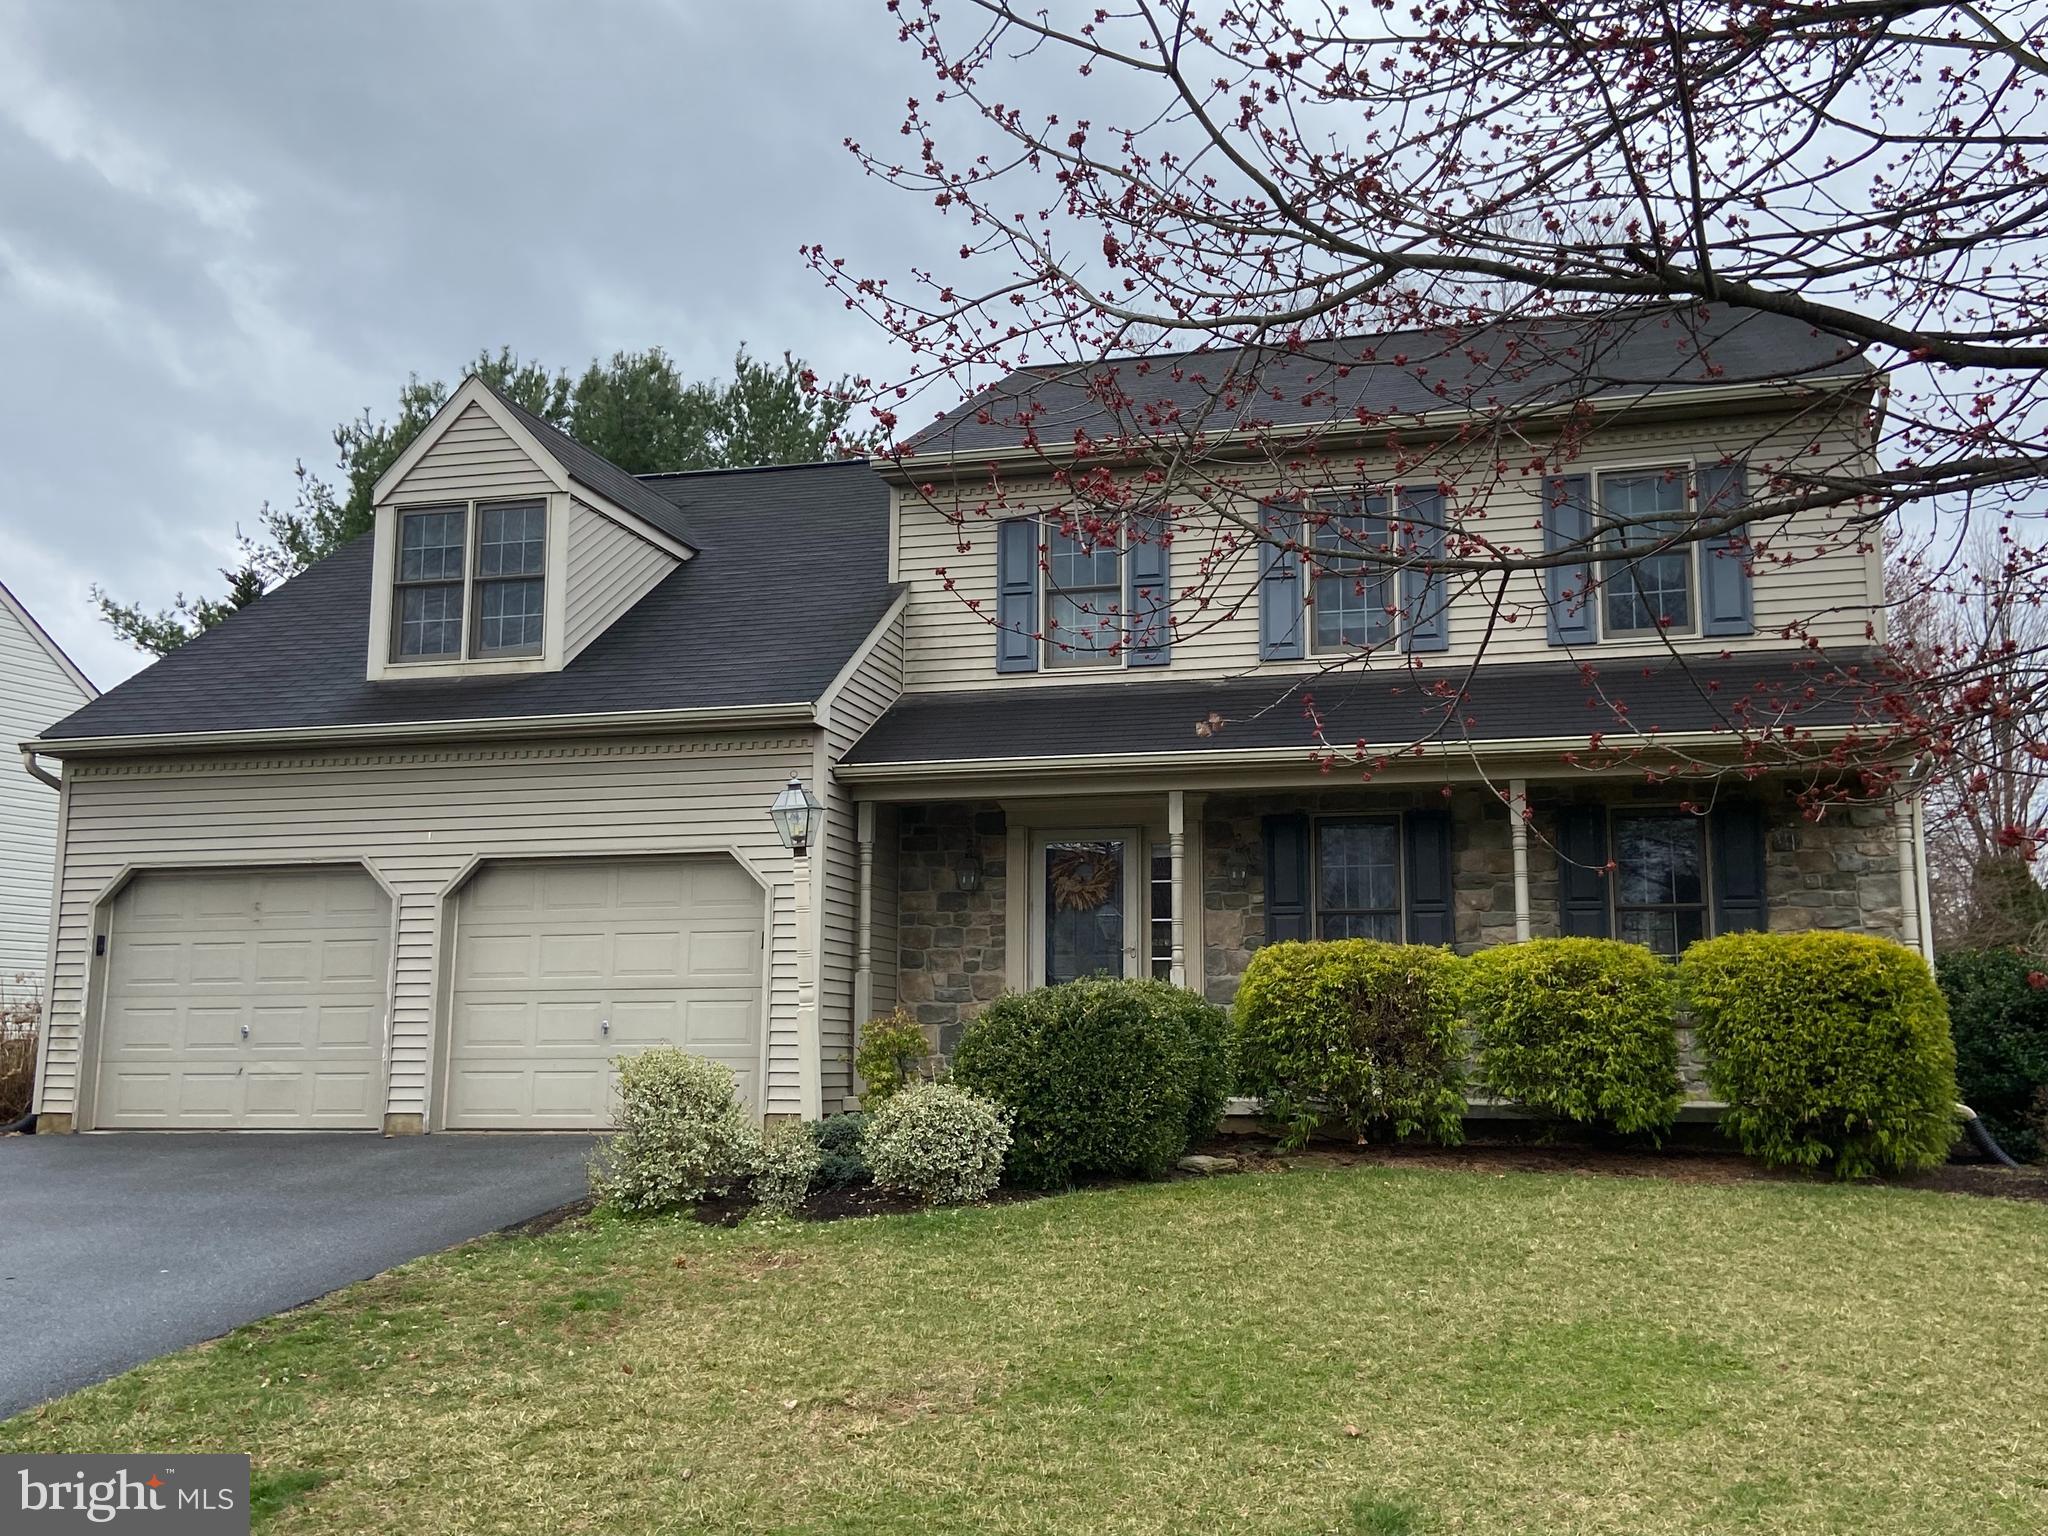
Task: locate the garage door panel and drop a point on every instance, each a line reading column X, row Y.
column 643, row 944
column 300, row 959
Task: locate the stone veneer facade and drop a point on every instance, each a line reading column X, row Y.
column 1841, row 872
column 950, row 943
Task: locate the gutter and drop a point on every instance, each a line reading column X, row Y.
column 750, row 716
column 1303, row 756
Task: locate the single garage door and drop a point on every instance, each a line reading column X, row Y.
column 562, row 966
column 247, row 998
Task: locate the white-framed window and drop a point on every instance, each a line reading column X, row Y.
column 1661, row 879
column 1357, row 877
column 1351, row 600
column 469, row 581
column 1083, row 599
column 1647, row 593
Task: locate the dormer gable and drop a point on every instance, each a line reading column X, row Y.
column 502, row 545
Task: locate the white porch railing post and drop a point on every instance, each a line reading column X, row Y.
column 1518, row 835
column 1177, row 846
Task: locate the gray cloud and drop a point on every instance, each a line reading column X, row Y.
column 225, row 227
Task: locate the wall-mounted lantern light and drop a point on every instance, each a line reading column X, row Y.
column 967, row 874
column 798, row 817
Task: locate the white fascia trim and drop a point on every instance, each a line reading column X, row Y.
column 859, row 658
column 743, row 717
column 473, row 391
column 1304, row 757
column 1668, row 400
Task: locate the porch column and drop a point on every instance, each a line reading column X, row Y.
column 1926, row 891
column 864, row 953
column 1177, row 847
column 1518, row 837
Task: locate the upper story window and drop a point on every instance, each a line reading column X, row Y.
column 469, row 581
column 1650, row 592
column 1352, row 597
column 1083, row 600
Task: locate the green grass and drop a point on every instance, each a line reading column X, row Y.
column 1363, row 1352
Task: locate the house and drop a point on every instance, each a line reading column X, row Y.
column 429, row 835
column 39, row 686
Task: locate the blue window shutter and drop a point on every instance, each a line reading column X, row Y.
column 1017, row 595
column 1568, row 521
column 1430, row 903
column 1725, row 604
column 1149, row 599
column 1582, row 872
column 1425, row 604
column 1280, row 586
column 1737, row 829
column 1287, row 875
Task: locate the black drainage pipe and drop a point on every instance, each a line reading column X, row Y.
column 25, row 1126
column 1981, row 1135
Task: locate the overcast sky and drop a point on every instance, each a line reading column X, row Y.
column 228, row 224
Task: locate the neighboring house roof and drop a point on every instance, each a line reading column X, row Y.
column 41, row 636
column 790, row 577
column 599, row 473
column 1518, row 365
column 1383, row 707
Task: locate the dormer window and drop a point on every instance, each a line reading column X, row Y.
column 502, row 590
column 511, row 555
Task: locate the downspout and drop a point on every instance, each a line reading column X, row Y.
column 37, row 771
column 26, row 1125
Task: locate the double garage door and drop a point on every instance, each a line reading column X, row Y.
column 258, row 999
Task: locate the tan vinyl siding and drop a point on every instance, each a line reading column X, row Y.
column 474, row 457
column 610, row 569
column 35, row 693
column 861, row 697
column 1834, row 594
column 419, row 818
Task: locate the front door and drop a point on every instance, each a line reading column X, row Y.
column 1084, row 911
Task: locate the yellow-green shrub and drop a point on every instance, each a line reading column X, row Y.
column 1578, row 1028
column 1353, row 1032
column 1830, row 1049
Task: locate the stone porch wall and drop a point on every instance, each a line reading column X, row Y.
column 950, row 943
column 1838, row 873
column 1842, row 872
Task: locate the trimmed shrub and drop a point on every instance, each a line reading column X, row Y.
column 1831, row 1050
column 1355, row 1033
column 789, row 1162
column 682, row 1134
column 2000, row 1019
column 1101, row 1077
column 892, row 1054
column 840, row 1163
column 938, row 1142
column 1577, row 1028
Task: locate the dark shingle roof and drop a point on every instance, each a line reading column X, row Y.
column 1519, row 365
column 789, row 578
column 1554, row 700
column 600, row 473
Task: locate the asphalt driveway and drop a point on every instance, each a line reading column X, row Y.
column 115, row 1249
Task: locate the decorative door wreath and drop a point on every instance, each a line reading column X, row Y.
column 1082, row 878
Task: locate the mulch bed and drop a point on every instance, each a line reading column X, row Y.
column 1682, row 1164
column 1685, row 1164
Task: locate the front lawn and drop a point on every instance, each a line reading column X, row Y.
column 1366, row 1350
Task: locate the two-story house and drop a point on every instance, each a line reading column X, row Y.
column 430, row 835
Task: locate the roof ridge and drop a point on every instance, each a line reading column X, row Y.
column 860, row 461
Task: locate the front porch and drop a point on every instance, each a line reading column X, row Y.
column 964, row 897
